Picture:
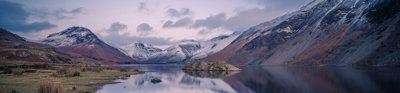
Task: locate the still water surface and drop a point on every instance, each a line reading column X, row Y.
column 256, row 79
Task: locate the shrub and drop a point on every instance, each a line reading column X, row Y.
column 11, row 65
column 7, row 71
column 45, row 66
column 84, row 69
column 24, row 66
column 18, row 71
column 41, row 66
column 63, row 72
column 123, row 70
column 30, row 70
column 50, row 86
column 36, row 66
column 45, row 71
column 109, row 68
column 88, row 69
column 55, row 74
column 136, row 70
column 74, row 74
column 97, row 69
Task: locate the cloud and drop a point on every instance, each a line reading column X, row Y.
column 250, row 17
column 124, row 39
column 111, row 35
column 14, row 18
column 172, row 12
column 204, row 32
column 239, row 22
column 59, row 14
column 180, row 23
column 211, row 22
column 65, row 14
column 117, row 27
column 247, row 18
column 143, row 6
column 281, row 5
column 114, row 29
column 144, row 29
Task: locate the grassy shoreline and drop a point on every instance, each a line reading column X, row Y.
column 29, row 82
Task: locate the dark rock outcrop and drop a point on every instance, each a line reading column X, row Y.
column 155, row 80
column 210, row 66
column 211, row 74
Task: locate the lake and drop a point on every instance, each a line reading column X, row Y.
column 259, row 79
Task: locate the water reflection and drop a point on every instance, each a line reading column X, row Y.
column 173, row 80
column 316, row 80
column 274, row 79
column 211, row 74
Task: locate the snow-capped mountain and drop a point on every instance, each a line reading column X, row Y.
column 81, row 41
column 324, row 32
column 71, row 36
column 179, row 52
column 183, row 51
column 140, row 51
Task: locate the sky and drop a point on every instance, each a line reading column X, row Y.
column 157, row 22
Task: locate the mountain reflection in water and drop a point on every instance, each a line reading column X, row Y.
column 255, row 79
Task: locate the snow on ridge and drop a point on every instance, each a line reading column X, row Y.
column 71, row 36
column 185, row 50
column 139, row 51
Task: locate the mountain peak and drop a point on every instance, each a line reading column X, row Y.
column 75, row 30
column 71, row 36
column 144, row 46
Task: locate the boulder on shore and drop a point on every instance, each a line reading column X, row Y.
column 155, row 80
column 210, row 66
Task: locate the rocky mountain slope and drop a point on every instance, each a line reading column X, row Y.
column 82, row 42
column 324, row 32
column 183, row 51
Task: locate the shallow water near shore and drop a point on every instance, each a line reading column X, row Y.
column 259, row 79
